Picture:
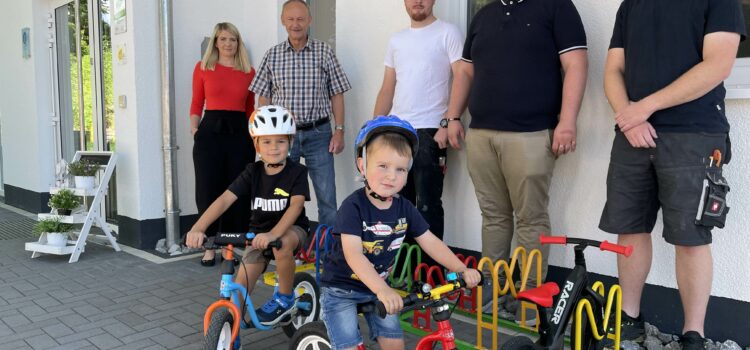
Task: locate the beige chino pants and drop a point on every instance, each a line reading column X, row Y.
column 511, row 172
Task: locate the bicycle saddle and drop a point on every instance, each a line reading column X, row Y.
column 541, row 295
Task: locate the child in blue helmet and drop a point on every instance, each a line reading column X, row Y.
column 370, row 226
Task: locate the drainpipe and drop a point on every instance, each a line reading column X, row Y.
column 171, row 208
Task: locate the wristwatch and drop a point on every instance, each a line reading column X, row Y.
column 339, row 127
column 444, row 121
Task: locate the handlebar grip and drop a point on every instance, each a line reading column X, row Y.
column 462, row 281
column 275, row 244
column 619, row 249
column 543, row 239
column 380, row 309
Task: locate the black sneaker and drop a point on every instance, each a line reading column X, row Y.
column 692, row 340
column 631, row 329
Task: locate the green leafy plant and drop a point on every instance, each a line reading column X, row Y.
column 51, row 224
column 83, row 168
column 64, row 199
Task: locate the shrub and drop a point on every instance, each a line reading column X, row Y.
column 52, row 224
column 83, row 168
column 64, row 199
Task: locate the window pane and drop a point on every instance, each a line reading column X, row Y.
column 475, row 5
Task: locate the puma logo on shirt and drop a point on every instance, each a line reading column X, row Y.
column 269, row 204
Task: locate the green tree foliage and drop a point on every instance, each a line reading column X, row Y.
column 109, row 110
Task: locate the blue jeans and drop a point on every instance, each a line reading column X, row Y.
column 339, row 312
column 424, row 186
column 312, row 145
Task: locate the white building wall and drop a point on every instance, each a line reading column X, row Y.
column 24, row 98
column 363, row 30
column 140, row 179
column 258, row 23
column 139, row 125
column 578, row 189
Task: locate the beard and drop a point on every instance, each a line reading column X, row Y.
column 418, row 16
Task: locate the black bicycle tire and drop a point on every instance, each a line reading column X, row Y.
column 218, row 319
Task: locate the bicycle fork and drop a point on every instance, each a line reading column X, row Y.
column 444, row 334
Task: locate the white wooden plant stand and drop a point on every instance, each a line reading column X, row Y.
column 94, row 216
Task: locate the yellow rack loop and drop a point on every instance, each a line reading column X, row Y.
column 614, row 297
column 519, row 254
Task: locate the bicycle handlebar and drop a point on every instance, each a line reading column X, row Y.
column 612, row 247
column 414, row 301
column 619, row 249
column 240, row 240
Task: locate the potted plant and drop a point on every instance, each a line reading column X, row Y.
column 84, row 172
column 64, row 201
column 56, row 230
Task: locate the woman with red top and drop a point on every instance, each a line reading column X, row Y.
column 222, row 145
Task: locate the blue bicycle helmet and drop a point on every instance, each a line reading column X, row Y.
column 382, row 124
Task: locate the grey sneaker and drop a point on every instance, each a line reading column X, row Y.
column 530, row 315
column 487, row 297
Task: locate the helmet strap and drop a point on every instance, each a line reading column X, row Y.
column 375, row 195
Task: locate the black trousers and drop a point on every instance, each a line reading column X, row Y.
column 222, row 149
column 424, row 185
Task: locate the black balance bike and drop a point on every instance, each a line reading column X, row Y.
column 554, row 316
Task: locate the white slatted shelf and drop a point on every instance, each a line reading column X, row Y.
column 94, row 216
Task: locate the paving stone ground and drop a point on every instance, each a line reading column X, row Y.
column 115, row 300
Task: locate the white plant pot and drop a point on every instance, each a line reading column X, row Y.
column 57, row 239
column 85, row 182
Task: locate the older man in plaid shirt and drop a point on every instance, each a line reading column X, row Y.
column 303, row 75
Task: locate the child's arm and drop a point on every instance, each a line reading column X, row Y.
column 197, row 233
column 296, row 204
column 352, row 246
column 437, row 250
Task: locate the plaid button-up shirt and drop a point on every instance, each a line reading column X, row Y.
column 302, row 81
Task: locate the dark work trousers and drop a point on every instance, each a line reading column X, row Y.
column 222, row 149
column 424, row 186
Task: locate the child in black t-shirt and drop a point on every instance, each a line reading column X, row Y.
column 370, row 226
column 278, row 189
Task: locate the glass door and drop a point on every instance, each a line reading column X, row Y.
column 85, row 103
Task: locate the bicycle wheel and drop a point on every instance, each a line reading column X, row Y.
column 588, row 342
column 518, row 342
column 219, row 335
column 312, row 336
column 306, row 289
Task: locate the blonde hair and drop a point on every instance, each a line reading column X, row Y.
column 391, row 140
column 241, row 61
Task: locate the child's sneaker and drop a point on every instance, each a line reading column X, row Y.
column 275, row 309
column 631, row 329
column 692, row 340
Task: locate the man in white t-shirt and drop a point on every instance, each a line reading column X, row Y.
column 418, row 67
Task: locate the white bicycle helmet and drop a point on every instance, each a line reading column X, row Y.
column 271, row 120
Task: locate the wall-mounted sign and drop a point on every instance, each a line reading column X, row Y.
column 121, row 54
column 120, row 16
column 26, row 42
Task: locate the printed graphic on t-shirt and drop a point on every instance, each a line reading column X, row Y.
column 381, row 232
column 269, row 204
column 380, row 229
column 270, row 195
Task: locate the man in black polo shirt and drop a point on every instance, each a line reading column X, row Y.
column 663, row 78
column 523, row 113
